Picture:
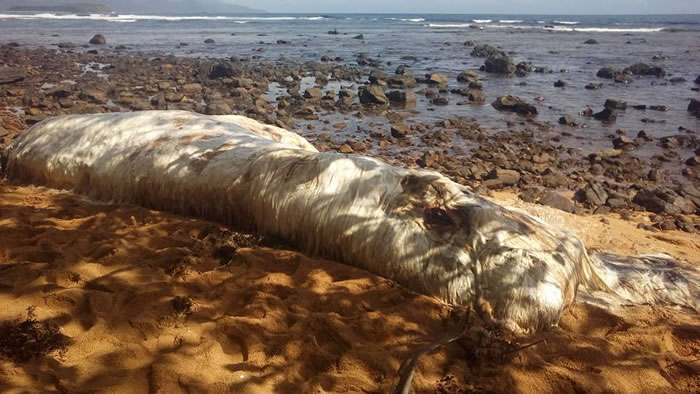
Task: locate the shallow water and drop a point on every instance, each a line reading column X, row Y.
column 437, row 41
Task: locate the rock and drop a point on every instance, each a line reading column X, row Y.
column 568, row 120
column 486, row 50
column 607, row 115
column 623, row 142
column 94, row 95
column 399, row 130
column 694, row 107
column 98, row 39
column 378, row 77
column 641, row 107
column 616, row 104
column 333, row 32
column 663, row 201
column 428, row 159
column 438, row 79
column 677, row 80
column 283, row 42
column 12, row 74
column 555, row 180
column 606, row 72
column 514, row 104
column 622, row 78
column 590, row 41
column 398, row 96
column 645, row 69
column 209, row 41
column 467, row 76
column 593, row 194
column 499, row 65
column 661, row 108
column 32, row 120
column 218, row 108
column 373, row 94
column 60, row 91
column 245, row 83
column 697, row 80
column 556, row 200
column 643, row 134
column 504, row 177
column 345, row 148
column 313, row 93
column 220, row 69
column 693, row 161
column 440, row 101
column 593, row 86
column 359, row 37
column 559, row 84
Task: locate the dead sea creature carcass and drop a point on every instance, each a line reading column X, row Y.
column 415, row 227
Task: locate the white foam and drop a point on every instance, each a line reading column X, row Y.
column 447, row 25
column 482, row 20
column 134, row 18
column 510, row 21
column 567, row 22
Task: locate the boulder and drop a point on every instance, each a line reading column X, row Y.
column 66, row 45
column 607, row 73
column 593, row 86
column 624, row 142
column 504, row 177
column 697, row 80
column 616, row 104
column 486, row 50
column 556, row 200
column 359, row 37
column 399, row 96
column 313, row 93
column 373, row 94
column 593, row 195
column 645, row 69
column 60, row 91
column 607, row 115
column 12, row 74
column 663, row 201
column 221, row 69
column 98, row 39
column 438, row 79
column 467, row 76
column 694, row 107
column 399, row 130
column 378, row 77
column 442, row 101
column 590, row 41
column 209, row 41
column 499, row 65
column 568, row 120
column 94, row 95
column 514, row 104
column 559, row 84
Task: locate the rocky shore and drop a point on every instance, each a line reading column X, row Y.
column 368, row 107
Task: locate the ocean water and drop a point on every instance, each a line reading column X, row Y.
column 437, row 43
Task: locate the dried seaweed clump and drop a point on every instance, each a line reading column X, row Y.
column 29, row 339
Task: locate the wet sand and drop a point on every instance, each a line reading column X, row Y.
column 153, row 302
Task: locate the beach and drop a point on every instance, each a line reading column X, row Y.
column 134, row 299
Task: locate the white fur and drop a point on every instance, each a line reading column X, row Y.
column 413, row 226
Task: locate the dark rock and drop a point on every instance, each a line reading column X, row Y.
column 555, row 180
column 593, row 86
column 377, row 77
column 697, row 80
column 641, row 107
column 694, row 107
column 499, row 65
column 66, row 45
column 467, row 76
column 556, row 200
column 693, row 161
column 559, row 84
column 607, row 73
column 438, row 79
column 428, row 159
column 440, row 101
column 607, row 115
column 643, row 134
column 616, row 104
column 359, row 37
column 624, row 142
column 622, row 78
column 333, row 32
column 218, row 108
column 590, row 41
column 60, row 90
column 398, row 96
column 98, row 39
column 221, row 69
column 373, row 94
column 645, row 69
column 12, row 74
column 662, row 108
column 677, row 80
column 486, row 50
column 504, row 177
column 283, row 42
column 209, row 41
column 663, row 201
column 399, row 130
column 568, row 120
column 93, row 95
column 514, row 104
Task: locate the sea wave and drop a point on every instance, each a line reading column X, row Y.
column 134, row 18
column 510, row 21
column 407, row 19
column 567, row 22
column 482, row 20
column 447, row 25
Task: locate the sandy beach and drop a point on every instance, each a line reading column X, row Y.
column 147, row 301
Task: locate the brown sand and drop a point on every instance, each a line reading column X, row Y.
column 117, row 280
